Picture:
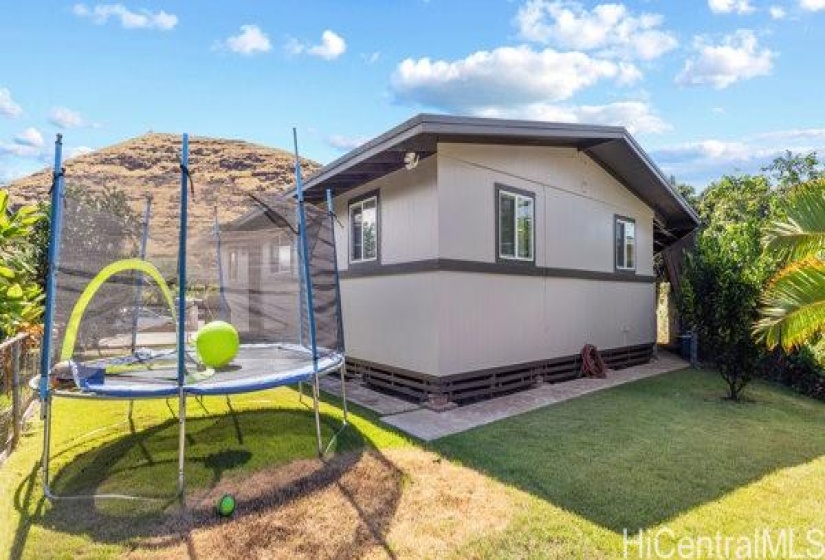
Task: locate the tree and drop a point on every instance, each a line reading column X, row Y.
column 793, row 306
column 21, row 296
column 790, row 169
column 726, row 273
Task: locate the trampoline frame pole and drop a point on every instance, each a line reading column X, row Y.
column 48, row 318
column 343, row 369
column 181, row 440
column 54, row 250
column 181, row 346
column 299, row 190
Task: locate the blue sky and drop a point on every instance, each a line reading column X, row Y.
column 707, row 86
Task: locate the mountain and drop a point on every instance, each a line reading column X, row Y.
column 224, row 173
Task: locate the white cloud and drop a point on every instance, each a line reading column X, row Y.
column 702, row 161
column 31, row 137
column 738, row 57
column 610, row 28
column 142, row 19
column 7, row 105
column 65, row 118
column 331, row 46
column 812, row 5
column 249, row 41
column 20, row 150
column 730, row 6
column 519, row 75
column 777, row 12
column 345, row 143
column 636, row 116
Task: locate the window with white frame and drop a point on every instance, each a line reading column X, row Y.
column 516, row 225
column 625, row 229
column 280, row 256
column 363, row 219
column 233, row 264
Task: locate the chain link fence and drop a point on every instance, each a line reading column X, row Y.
column 19, row 363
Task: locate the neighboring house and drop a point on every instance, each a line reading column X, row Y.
column 497, row 252
column 260, row 275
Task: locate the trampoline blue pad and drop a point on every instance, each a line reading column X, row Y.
column 255, row 368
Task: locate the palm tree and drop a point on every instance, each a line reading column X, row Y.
column 793, row 305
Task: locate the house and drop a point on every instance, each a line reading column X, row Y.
column 478, row 256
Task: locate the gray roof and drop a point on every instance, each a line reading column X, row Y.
column 612, row 147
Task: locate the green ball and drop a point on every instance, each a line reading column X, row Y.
column 217, row 344
column 226, row 505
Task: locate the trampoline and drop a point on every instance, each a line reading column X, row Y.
column 126, row 296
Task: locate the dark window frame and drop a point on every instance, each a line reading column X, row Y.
column 516, row 261
column 626, row 219
column 376, row 194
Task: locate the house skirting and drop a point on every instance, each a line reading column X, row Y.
column 487, row 383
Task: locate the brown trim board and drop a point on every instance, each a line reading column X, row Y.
column 457, row 265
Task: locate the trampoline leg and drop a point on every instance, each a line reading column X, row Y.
column 344, row 388
column 47, row 442
column 315, row 404
column 131, row 407
column 301, row 392
column 181, row 440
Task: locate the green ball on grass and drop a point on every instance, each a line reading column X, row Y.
column 226, row 505
column 217, row 344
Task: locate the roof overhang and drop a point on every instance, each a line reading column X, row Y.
column 611, row 147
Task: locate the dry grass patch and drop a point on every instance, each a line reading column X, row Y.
column 404, row 503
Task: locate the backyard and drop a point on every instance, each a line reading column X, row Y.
column 563, row 481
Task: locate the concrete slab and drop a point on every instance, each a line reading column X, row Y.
column 359, row 394
column 429, row 425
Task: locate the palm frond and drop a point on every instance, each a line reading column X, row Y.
column 802, row 234
column 793, row 306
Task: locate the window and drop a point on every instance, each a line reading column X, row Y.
column 233, row 265
column 280, row 256
column 625, row 229
column 516, row 219
column 363, row 219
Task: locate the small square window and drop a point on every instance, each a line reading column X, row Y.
column 516, row 225
column 280, row 256
column 625, row 244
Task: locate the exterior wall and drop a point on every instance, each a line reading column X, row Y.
column 492, row 320
column 393, row 320
column 447, row 322
column 408, row 208
column 575, row 204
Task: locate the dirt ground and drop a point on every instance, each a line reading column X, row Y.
column 402, row 503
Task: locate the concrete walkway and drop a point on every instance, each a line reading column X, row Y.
column 429, row 425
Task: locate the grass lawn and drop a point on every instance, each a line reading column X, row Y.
column 564, row 481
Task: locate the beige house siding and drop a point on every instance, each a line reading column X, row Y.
column 446, row 322
column 393, row 320
column 408, row 208
column 575, row 204
column 492, row 320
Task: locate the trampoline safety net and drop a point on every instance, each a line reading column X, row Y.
column 117, row 285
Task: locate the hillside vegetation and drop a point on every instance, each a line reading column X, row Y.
column 224, row 171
